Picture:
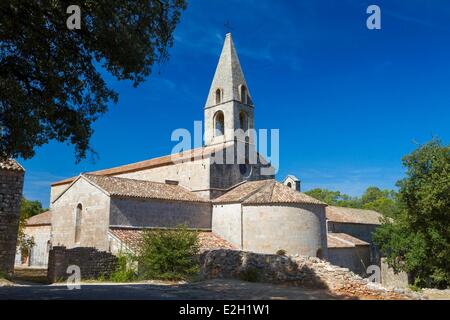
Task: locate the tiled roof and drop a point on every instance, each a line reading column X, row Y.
column 11, row 164
column 265, row 191
column 187, row 155
column 352, row 215
column 41, row 219
column 133, row 237
column 241, row 192
column 123, row 187
column 343, row 240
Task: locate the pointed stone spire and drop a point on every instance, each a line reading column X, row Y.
column 228, row 106
column 228, row 77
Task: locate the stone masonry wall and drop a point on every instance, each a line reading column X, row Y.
column 92, row 263
column 294, row 270
column 11, row 184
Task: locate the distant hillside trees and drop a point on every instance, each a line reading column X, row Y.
column 383, row 201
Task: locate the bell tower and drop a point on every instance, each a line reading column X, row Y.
column 229, row 106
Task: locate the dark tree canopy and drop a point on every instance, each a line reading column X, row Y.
column 50, row 84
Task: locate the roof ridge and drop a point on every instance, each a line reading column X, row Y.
column 351, row 208
column 131, row 179
column 271, row 183
column 124, row 168
column 264, row 185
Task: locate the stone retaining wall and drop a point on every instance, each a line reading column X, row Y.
column 295, row 270
column 93, row 263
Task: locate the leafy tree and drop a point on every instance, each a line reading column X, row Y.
column 418, row 240
column 327, row 196
column 385, row 205
column 169, row 254
column 383, row 201
column 372, row 194
column 29, row 208
column 334, row 198
column 50, row 81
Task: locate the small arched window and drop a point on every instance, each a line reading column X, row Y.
column 219, row 123
column 79, row 211
column 244, row 95
column 218, row 96
column 243, row 121
column 289, row 185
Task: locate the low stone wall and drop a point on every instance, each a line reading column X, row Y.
column 391, row 279
column 295, row 270
column 300, row 270
column 92, row 263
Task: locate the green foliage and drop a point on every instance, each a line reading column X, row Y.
column 418, row 239
column 383, row 201
column 334, row 198
column 169, row 254
column 51, row 81
column 126, row 268
column 250, row 274
column 281, row 252
column 28, row 209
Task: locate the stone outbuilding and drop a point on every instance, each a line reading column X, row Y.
column 348, row 252
column 359, row 223
column 350, row 241
column 267, row 216
column 38, row 227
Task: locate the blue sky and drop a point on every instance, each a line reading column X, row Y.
column 349, row 102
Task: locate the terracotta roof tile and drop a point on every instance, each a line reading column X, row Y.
column 265, row 191
column 343, row 240
column 11, row 164
column 44, row 218
column 352, row 215
column 124, row 187
column 133, row 237
column 241, row 192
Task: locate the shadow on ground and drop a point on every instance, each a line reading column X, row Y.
column 218, row 289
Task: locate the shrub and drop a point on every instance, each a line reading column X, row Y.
column 125, row 271
column 281, row 252
column 169, row 254
column 250, row 274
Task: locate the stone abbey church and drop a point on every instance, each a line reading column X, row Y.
column 233, row 205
